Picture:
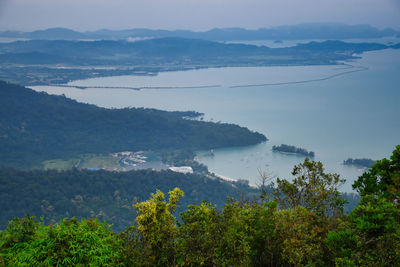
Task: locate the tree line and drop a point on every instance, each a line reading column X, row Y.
column 300, row 223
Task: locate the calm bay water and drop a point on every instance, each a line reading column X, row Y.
column 353, row 114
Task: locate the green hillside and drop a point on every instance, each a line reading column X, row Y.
column 101, row 194
column 36, row 126
column 300, row 224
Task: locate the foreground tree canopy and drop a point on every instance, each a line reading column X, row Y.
column 309, row 231
column 383, row 179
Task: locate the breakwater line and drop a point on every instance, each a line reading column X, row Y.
column 134, row 88
column 349, row 69
column 303, row 81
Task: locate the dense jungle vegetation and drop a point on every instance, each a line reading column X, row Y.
column 103, row 194
column 300, row 223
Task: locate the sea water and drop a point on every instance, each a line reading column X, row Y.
column 337, row 111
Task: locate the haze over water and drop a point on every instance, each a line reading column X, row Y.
column 354, row 114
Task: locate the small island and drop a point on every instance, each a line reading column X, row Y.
column 364, row 162
column 288, row 149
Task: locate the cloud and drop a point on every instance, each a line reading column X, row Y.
column 3, row 6
column 136, row 39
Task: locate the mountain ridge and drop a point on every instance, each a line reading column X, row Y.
column 284, row 32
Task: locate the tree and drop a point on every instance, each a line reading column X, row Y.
column 88, row 242
column 299, row 235
column 311, row 188
column 264, row 177
column 371, row 236
column 383, row 179
column 151, row 242
column 199, row 235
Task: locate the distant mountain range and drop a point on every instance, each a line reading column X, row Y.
column 293, row 32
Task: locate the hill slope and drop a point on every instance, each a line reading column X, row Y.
column 102, row 194
column 37, row 126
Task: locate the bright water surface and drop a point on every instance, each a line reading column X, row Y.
column 353, row 114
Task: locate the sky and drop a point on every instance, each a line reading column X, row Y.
column 198, row 15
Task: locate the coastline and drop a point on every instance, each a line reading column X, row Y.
column 228, row 179
column 86, row 72
column 291, row 153
column 70, row 83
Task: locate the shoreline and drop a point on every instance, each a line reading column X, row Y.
column 352, row 68
column 124, row 72
column 292, row 153
column 229, row 179
column 225, row 178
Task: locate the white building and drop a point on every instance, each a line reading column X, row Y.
column 183, row 169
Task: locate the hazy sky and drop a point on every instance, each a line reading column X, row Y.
column 84, row 15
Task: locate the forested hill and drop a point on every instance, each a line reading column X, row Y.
column 172, row 51
column 37, row 126
column 106, row 195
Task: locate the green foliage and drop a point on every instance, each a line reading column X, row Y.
column 248, row 235
column 151, row 241
column 156, row 225
column 383, row 179
column 241, row 234
column 311, row 188
column 199, row 234
column 233, row 249
column 371, row 237
column 20, row 230
column 342, row 246
column 101, row 194
column 69, row 243
column 300, row 234
column 376, row 223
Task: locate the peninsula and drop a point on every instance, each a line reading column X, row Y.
column 54, row 62
column 35, row 127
